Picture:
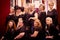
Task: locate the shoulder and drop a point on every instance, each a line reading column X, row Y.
column 54, row 10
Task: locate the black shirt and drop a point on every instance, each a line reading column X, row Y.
column 54, row 16
column 9, row 17
column 9, row 35
column 40, row 35
column 42, row 17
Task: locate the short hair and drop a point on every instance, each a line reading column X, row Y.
column 17, row 7
column 49, row 18
column 51, row 3
column 42, row 6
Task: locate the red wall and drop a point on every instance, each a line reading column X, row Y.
column 58, row 9
column 4, row 10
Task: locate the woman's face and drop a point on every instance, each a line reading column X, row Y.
column 48, row 21
column 26, row 10
column 51, row 6
column 18, row 11
column 32, row 7
column 35, row 24
column 11, row 10
column 41, row 8
column 20, row 21
column 10, row 24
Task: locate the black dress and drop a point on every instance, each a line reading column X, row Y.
column 20, row 30
column 17, row 17
column 51, row 30
column 9, row 17
column 42, row 17
column 54, row 15
column 26, row 19
column 40, row 36
column 9, row 35
column 31, row 21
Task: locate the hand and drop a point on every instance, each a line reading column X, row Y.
column 31, row 18
column 17, row 37
column 2, row 38
column 33, row 36
column 49, row 37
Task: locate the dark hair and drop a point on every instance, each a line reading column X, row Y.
column 17, row 7
column 22, row 9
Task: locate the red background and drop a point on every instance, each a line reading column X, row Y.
column 4, row 10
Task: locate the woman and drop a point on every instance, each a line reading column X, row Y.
column 11, row 28
column 11, row 15
column 20, row 30
column 42, row 14
column 36, row 31
column 18, row 14
column 26, row 16
column 53, row 13
column 33, row 14
column 50, row 29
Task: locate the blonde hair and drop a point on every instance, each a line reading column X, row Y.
column 50, row 19
column 38, row 22
column 51, row 3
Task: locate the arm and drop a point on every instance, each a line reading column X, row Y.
column 2, row 38
column 35, row 16
column 35, row 34
column 20, row 35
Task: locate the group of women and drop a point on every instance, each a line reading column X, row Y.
column 27, row 23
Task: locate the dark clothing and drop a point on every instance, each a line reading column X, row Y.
column 17, row 17
column 9, row 35
column 54, row 16
column 20, row 30
column 40, row 36
column 58, row 31
column 26, row 19
column 31, row 21
column 9, row 17
column 42, row 17
column 51, row 31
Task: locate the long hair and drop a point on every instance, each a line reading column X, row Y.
column 14, row 25
column 38, row 23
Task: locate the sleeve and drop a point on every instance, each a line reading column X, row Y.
column 37, row 29
column 56, row 17
column 23, row 29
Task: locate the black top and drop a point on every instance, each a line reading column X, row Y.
column 26, row 19
column 32, row 15
column 40, row 35
column 9, row 35
column 50, row 30
column 31, row 20
column 54, row 16
column 9, row 17
column 17, row 17
column 20, row 30
column 42, row 17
